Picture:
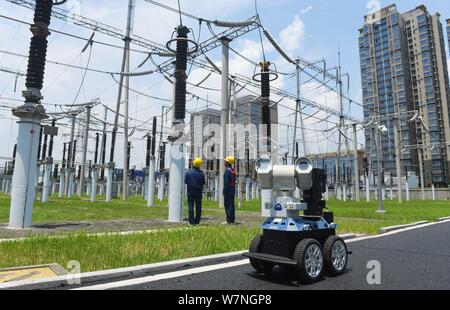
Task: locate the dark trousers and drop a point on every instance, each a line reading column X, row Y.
column 195, row 215
column 230, row 208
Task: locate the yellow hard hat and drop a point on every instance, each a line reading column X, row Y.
column 198, row 162
column 230, row 160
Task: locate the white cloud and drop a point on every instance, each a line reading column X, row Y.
column 291, row 37
column 306, row 10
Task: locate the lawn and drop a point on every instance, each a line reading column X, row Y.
column 76, row 209
column 352, row 217
column 106, row 252
column 114, row 251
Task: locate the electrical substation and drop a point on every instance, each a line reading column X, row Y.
column 164, row 119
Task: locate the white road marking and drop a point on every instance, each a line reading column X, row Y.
column 396, row 232
column 164, row 276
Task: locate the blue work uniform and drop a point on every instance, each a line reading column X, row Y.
column 229, row 193
column 195, row 181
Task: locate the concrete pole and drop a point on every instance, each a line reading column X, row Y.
column 225, row 101
column 161, row 186
column 109, row 182
column 71, row 183
column 126, row 119
column 151, row 183
column 94, row 184
column 357, row 176
column 8, row 186
column 85, row 147
column 433, row 190
column 239, row 193
column 398, row 154
column 217, row 189
column 125, row 62
column 88, row 187
column 145, row 186
column 62, row 179
column 103, row 145
column 23, row 190
column 407, row 191
column 70, row 152
column 380, row 173
column 47, row 180
column 299, row 115
column 253, row 190
column 247, row 189
column 367, row 188
column 422, row 178
column 176, row 184
column 266, row 197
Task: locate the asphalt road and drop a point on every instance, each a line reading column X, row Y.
column 409, row 260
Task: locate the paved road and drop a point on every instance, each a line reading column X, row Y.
column 413, row 259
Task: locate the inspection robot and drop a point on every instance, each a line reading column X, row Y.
column 305, row 243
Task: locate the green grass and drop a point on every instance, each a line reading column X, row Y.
column 107, row 252
column 114, row 251
column 351, row 216
column 76, row 209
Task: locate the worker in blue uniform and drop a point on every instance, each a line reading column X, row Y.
column 229, row 189
column 195, row 181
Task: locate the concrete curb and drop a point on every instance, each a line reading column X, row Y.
column 384, row 230
column 444, row 219
column 348, row 236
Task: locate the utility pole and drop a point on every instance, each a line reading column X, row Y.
column 298, row 114
column 85, row 147
column 131, row 8
column 151, row 170
column 341, row 121
column 357, row 176
column 125, row 64
column 225, row 99
column 62, row 173
column 422, row 178
column 70, row 172
column 48, row 164
column 398, row 154
column 30, row 116
column 103, row 148
column 161, row 159
column 380, row 171
column 177, row 150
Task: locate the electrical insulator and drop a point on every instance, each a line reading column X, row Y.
column 38, row 49
column 182, row 51
column 155, row 124
column 265, row 95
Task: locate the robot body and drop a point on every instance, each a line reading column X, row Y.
column 308, row 244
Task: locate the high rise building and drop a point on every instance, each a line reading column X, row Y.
column 448, row 34
column 248, row 112
column 199, row 121
column 404, row 69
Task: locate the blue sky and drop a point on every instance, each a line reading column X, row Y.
column 307, row 28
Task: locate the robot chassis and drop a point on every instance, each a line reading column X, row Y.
column 307, row 244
